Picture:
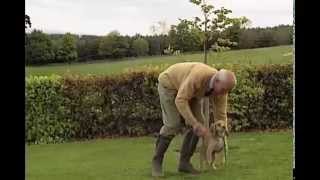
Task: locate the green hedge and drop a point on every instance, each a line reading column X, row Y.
column 46, row 120
column 84, row 107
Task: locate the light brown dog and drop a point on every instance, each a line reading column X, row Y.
column 212, row 143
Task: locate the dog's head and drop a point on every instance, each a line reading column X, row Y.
column 219, row 128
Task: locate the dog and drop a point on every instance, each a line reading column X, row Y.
column 212, row 143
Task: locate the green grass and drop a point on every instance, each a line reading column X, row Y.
column 269, row 55
column 252, row 156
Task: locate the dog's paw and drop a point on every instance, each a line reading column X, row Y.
column 214, row 167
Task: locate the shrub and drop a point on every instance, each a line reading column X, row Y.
column 38, row 48
column 140, row 47
column 46, row 120
column 86, row 107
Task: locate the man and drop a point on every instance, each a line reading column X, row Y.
column 182, row 88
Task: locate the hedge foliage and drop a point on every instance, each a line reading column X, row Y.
column 73, row 107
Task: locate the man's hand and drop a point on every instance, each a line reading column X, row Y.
column 200, row 130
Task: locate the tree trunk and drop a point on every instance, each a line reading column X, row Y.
column 205, row 39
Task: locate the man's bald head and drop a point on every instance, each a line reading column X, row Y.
column 228, row 77
column 223, row 81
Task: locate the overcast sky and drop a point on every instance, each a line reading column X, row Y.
column 98, row 17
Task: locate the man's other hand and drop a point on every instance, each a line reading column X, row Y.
column 200, row 130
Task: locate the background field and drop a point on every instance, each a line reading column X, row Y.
column 270, row 55
column 253, row 156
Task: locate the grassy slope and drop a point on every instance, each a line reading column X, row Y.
column 255, row 56
column 252, row 156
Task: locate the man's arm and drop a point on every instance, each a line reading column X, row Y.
column 220, row 113
column 185, row 93
column 197, row 107
column 220, row 107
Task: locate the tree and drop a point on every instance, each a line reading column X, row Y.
column 266, row 39
column 291, row 34
column 39, row 49
column 69, row 47
column 185, row 36
column 213, row 22
column 130, row 51
column 66, row 50
column 282, row 34
column 164, row 42
column 27, row 21
column 159, row 41
column 233, row 32
column 82, row 50
column 247, row 39
column 87, row 47
column 173, row 37
column 140, row 47
column 113, row 45
column 154, row 45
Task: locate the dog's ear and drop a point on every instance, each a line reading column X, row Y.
column 212, row 128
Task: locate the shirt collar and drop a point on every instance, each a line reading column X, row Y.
column 210, row 86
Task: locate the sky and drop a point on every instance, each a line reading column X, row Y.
column 99, row 17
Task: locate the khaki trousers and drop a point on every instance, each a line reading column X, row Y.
column 170, row 114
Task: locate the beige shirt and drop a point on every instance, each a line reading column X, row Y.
column 190, row 80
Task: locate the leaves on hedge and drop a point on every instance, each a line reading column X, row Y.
column 84, row 107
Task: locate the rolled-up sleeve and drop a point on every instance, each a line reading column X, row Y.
column 220, row 107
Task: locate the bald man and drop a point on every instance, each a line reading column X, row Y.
column 182, row 88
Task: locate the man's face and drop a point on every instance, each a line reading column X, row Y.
column 219, row 87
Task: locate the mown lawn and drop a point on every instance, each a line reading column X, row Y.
column 252, row 156
column 274, row 55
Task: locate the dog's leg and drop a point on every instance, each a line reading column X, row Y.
column 213, row 158
column 204, row 165
column 202, row 154
column 226, row 148
column 209, row 152
column 201, row 158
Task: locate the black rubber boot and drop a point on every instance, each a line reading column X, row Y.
column 188, row 148
column 162, row 145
